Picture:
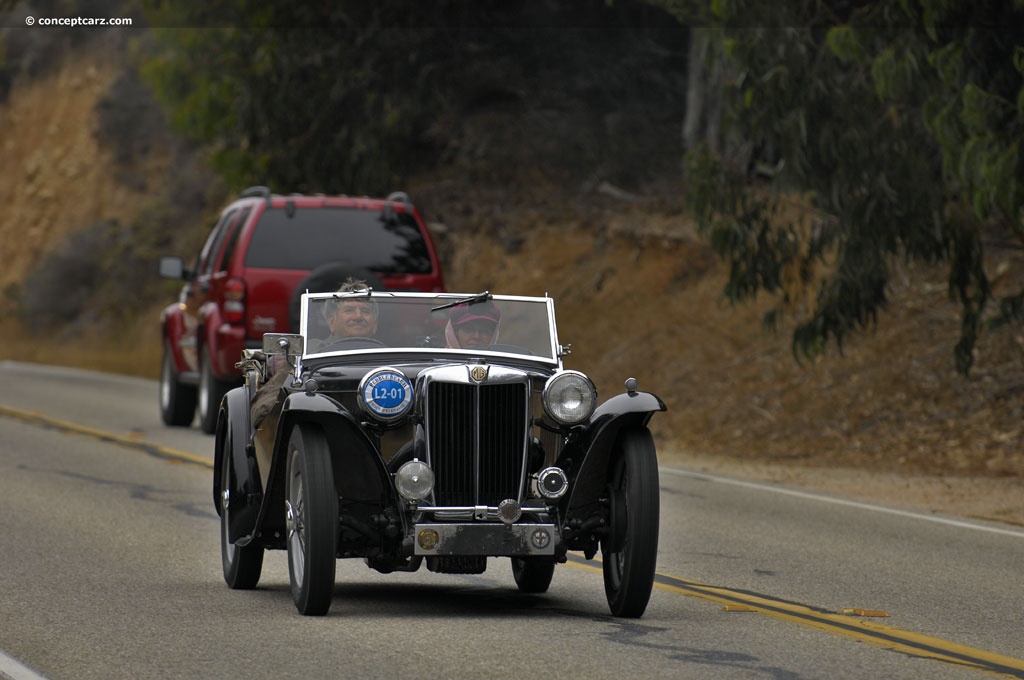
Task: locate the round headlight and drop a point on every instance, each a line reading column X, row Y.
column 414, row 480
column 569, row 397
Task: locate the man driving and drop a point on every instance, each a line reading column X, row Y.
column 346, row 318
column 351, row 317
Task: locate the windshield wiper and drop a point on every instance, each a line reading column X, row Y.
column 473, row 299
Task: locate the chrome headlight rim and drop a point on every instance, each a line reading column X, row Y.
column 561, row 390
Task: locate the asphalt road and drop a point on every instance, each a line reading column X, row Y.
column 110, row 568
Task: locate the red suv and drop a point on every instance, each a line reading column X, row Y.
column 266, row 250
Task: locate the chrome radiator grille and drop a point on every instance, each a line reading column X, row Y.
column 476, row 436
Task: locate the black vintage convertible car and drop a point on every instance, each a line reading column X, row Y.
column 408, row 442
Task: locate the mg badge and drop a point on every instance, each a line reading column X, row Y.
column 478, row 373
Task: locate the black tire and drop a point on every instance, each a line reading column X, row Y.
column 533, row 574
column 177, row 401
column 211, row 391
column 242, row 564
column 326, row 279
column 312, row 520
column 630, row 552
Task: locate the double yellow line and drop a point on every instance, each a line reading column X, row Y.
column 850, row 625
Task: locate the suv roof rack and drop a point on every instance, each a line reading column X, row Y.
column 260, row 191
column 395, row 197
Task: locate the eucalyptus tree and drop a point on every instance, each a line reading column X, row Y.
column 900, row 120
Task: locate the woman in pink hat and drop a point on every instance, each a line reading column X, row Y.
column 473, row 325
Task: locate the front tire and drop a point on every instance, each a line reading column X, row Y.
column 533, row 574
column 177, row 401
column 242, row 564
column 312, row 521
column 630, row 552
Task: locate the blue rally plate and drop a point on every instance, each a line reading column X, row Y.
column 386, row 393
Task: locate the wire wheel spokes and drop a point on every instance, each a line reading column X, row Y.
column 296, row 529
column 311, row 516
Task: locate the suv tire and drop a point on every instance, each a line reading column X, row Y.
column 211, row 391
column 326, row 279
column 177, row 401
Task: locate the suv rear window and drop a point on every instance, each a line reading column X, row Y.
column 362, row 238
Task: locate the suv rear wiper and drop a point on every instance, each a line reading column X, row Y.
column 479, row 297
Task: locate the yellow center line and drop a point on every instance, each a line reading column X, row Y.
column 156, row 450
column 871, row 632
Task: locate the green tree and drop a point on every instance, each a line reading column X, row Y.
column 278, row 97
column 354, row 96
column 900, row 119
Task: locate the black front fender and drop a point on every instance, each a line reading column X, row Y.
column 359, row 471
column 588, row 453
column 233, row 434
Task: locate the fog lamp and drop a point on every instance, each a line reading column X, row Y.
column 550, row 483
column 414, row 480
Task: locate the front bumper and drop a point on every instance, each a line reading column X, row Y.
column 491, row 539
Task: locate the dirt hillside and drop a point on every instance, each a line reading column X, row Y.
column 638, row 294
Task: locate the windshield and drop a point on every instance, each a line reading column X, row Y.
column 469, row 324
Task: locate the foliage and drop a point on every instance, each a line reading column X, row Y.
column 355, row 96
column 902, row 119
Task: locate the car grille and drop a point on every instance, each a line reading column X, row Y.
column 476, row 437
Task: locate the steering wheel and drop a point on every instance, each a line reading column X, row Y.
column 340, row 345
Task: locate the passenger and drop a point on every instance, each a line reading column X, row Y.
column 473, row 325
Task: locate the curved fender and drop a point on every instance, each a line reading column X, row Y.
column 591, row 448
column 174, row 330
column 209, row 342
column 359, row 470
column 232, row 438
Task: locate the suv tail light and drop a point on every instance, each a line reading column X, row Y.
column 234, row 301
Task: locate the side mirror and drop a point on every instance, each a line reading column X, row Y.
column 172, row 268
column 288, row 344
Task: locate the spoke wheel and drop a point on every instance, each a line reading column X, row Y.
column 242, row 564
column 630, row 552
column 312, row 520
column 177, row 401
column 533, row 574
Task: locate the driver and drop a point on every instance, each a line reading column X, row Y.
column 472, row 325
column 346, row 318
column 351, row 317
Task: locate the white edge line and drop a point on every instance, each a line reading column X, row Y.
column 12, row 669
column 841, row 501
